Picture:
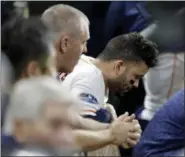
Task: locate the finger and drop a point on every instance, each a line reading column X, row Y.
column 122, row 117
column 129, row 118
column 134, row 136
column 140, row 131
column 135, row 128
column 137, row 131
column 131, row 142
column 135, row 121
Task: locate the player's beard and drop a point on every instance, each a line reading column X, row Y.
column 119, row 85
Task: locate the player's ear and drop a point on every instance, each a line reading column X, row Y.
column 64, row 43
column 119, row 67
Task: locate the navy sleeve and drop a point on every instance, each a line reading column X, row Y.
column 102, row 115
column 165, row 134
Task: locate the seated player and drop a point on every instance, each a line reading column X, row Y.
column 125, row 60
column 164, row 135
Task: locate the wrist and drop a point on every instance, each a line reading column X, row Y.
column 112, row 136
column 109, row 136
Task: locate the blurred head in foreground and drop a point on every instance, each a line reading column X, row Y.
column 70, row 28
column 39, row 113
column 27, row 44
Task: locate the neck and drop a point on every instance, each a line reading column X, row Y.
column 103, row 68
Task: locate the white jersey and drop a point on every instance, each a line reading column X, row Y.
column 87, row 83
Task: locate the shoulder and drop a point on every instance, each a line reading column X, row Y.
column 86, row 81
column 86, row 71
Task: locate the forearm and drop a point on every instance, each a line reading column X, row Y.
column 90, row 124
column 91, row 140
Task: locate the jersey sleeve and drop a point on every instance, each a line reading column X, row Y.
column 86, row 89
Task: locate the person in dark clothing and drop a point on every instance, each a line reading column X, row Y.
column 125, row 17
column 169, row 34
column 164, row 135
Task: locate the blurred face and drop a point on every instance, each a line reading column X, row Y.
column 52, row 129
column 55, row 127
column 47, row 67
column 69, row 50
column 126, row 76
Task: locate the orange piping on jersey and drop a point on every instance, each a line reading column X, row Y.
column 94, row 111
column 172, row 76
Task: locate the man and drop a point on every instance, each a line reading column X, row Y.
column 119, row 67
column 170, row 61
column 38, row 115
column 21, row 41
column 71, row 30
column 164, row 135
column 28, row 46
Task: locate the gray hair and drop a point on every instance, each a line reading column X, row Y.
column 64, row 18
column 29, row 96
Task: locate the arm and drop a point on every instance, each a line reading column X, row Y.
column 89, row 124
column 91, row 140
column 118, row 133
column 86, row 123
column 79, row 122
column 90, row 107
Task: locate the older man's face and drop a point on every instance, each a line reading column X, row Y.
column 71, row 47
column 78, row 46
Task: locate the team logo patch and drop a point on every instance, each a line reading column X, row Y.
column 88, row 98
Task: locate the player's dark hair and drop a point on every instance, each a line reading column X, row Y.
column 25, row 40
column 130, row 47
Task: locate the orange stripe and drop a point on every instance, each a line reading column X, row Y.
column 89, row 111
column 172, row 76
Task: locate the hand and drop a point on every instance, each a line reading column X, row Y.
column 134, row 135
column 120, row 129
